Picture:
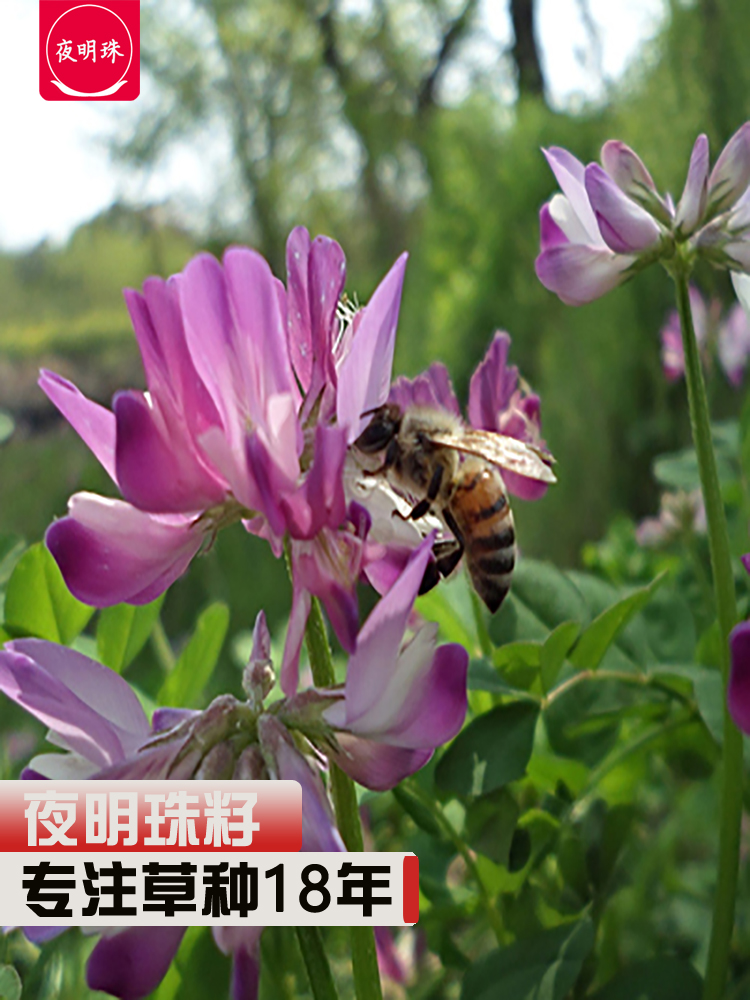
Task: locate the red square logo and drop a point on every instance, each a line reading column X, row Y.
column 89, row 51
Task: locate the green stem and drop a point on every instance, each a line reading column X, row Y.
column 726, row 610
column 316, row 963
column 364, row 953
column 432, row 806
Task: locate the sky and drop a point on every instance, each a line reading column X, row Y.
column 54, row 164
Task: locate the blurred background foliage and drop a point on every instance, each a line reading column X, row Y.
column 393, row 125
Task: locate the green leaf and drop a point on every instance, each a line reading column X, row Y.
column 185, row 684
column 450, row 605
column 670, row 628
column 524, row 654
column 679, row 469
column 542, row 967
column 421, row 815
column 11, row 549
column 490, row 824
column 38, row 603
column 493, row 750
column 602, row 632
column 122, row 631
column 583, row 720
column 655, row 979
column 556, row 647
column 10, row 983
column 548, row 593
column 483, row 676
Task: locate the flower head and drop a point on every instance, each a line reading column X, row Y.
column 253, row 393
column 611, row 221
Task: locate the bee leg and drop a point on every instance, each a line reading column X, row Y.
column 431, row 577
column 447, row 556
column 423, row 507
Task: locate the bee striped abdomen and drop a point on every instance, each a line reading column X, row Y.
column 480, row 508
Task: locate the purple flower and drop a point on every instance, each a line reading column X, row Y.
column 729, row 336
column 738, row 689
column 254, row 392
column 94, row 716
column 498, row 401
column 610, row 220
column 591, row 233
column 680, row 514
column 401, row 699
column 672, row 353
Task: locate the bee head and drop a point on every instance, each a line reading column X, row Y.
column 382, row 429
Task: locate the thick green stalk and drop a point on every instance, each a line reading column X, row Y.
column 726, row 611
column 364, row 954
column 316, row 963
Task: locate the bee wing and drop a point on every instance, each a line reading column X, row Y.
column 499, row 449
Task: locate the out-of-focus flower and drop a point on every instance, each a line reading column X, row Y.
column 254, row 391
column 672, row 353
column 610, row 221
column 680, row 514
column 738, row 689
column 728, row 336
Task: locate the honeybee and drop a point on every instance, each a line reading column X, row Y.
column 453, row 471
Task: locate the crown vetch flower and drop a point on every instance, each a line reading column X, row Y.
column 498, row 401
column 728, row 335
column 401, row 699
column 611, row 221
column 254, row 392
column 95, row 717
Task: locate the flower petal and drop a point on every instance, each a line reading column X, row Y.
column 731, row 174
column 570, row 174
column 579, row 274
column 101, row 688
column 243, row 944
column 626, row 169
column 625, row 226
column 319, row 831
column 159, row 471
column 365, row 373
column 492, row 385
column 94, row 424
column 259, row 341
column 432, row 389
column 88, row 705
column 375, row 660
column 692, row 206
column 550, row 233
column 109, row 552
column 132, row 963
column 376, row 765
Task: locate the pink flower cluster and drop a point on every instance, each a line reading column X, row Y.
column 255, row 391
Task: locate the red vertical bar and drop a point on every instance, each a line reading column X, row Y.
column 411, row 889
